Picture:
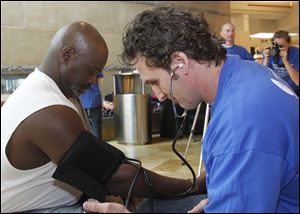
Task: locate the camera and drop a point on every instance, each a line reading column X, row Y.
column 275, row 49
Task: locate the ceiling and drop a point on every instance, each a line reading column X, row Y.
column 284, row 14
column 272, row 10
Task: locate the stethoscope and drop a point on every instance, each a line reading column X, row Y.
column 179, row 131
column 171, row 93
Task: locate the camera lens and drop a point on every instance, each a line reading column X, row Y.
column 273, row 52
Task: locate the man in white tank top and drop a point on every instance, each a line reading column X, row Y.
column 36, row 135
column 34, row 138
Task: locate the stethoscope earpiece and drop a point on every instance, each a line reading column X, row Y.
column 180, row 65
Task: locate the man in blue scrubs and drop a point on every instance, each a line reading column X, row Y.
column 228, row 33
column 251, row 147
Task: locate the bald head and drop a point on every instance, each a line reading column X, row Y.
column 80, row 35
column 228, row 33
column 227, row 25
column 76, row 53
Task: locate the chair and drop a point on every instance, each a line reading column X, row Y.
column 203, row 134
column 204, row 131
column 192, row 129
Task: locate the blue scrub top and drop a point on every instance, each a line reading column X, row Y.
column 92, row 97
column 251, row 147
column 240, row 51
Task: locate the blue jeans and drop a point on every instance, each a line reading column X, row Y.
column 176, row 205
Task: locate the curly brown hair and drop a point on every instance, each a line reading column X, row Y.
column 157, row 34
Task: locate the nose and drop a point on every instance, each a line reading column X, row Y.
column 159, row 94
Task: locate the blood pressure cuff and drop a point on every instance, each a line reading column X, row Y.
column 88, row 165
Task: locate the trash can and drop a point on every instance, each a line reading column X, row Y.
column 131, row 109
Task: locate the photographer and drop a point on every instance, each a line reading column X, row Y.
column 283, row 59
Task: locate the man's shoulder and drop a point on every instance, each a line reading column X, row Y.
column 55, row 119
column 294, row 47
column 239, row 47
column 60, row 114
column 50, row 120
column 294, row 50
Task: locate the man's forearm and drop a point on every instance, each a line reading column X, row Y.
column 265, row 61
column 122, row 179
column 292, row 72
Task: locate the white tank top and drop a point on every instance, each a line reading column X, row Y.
column 23, row 190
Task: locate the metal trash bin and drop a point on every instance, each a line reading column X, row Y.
column 131, row 109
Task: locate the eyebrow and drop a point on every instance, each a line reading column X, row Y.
column 147, row 81
column 150, row 81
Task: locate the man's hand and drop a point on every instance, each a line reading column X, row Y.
column 95, row 206
column 199, row 207
column 106, row 105
column 294, row 74
column 266, row 52
column 283, row 53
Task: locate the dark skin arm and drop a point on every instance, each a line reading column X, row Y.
column 120, row 182
column 47, row 134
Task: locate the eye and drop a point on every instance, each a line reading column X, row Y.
column 152, row 82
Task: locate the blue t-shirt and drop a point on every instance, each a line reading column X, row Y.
column 239, row 50
column 92, row 97
column 277, row 66
column 251, row 147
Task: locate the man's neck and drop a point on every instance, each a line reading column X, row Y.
column 51, row 69
column 208, row 79
column 228, row 44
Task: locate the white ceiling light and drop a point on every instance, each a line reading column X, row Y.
column 262, row 35
column 267, row 35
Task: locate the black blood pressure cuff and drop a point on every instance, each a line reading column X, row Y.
column 88, row 165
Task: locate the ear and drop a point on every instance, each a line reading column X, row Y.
column 66, row 54
column 180, row 59
column 222, row 34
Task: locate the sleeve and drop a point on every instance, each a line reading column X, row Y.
column 100, row 75
column 247, row 181
column 296, row 59
column 247, row 55
column 270, row 63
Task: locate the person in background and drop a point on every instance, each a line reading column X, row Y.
column 37, row 137
column 228, row 33
column 286, row 64
column 86, row 123
column 251, row 146
column 91, row 100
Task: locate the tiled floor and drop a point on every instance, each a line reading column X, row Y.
column 159, row 157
